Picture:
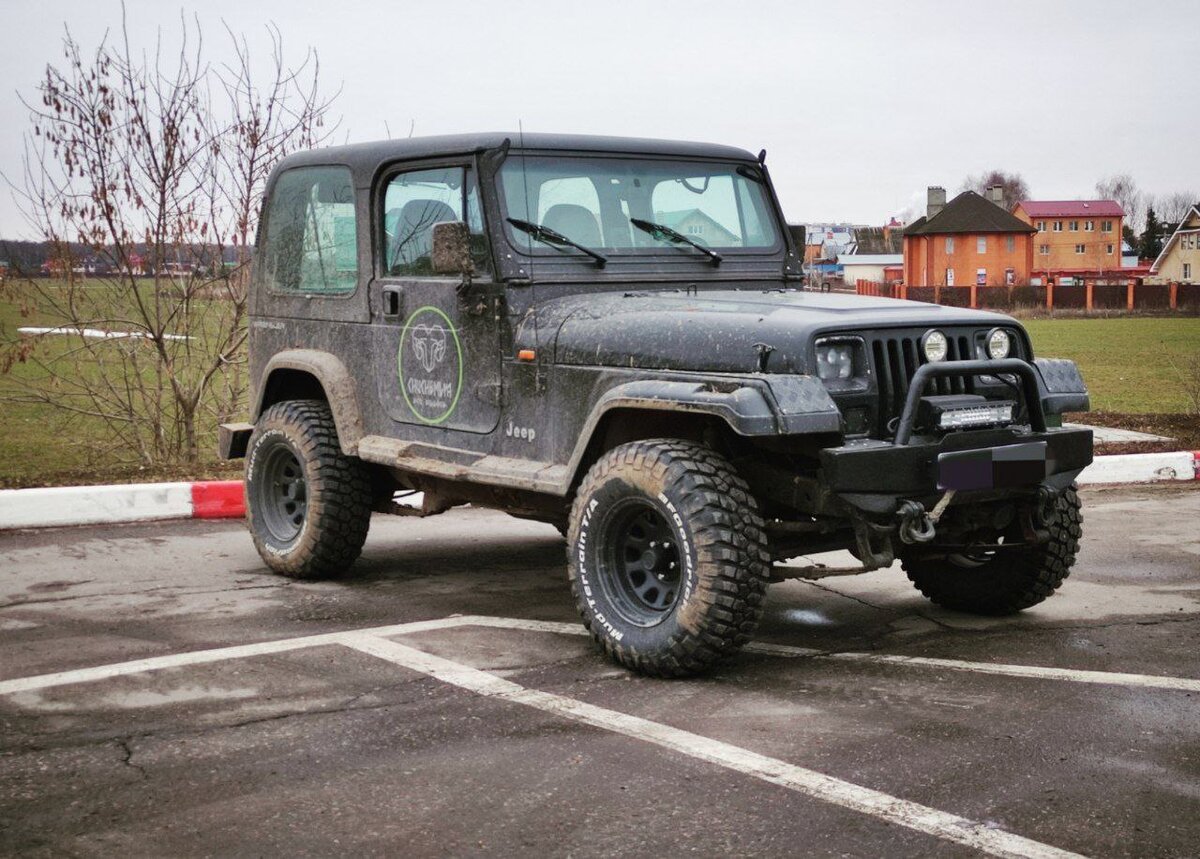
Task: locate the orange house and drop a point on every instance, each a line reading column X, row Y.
column 968, row 241
column 1074, row 234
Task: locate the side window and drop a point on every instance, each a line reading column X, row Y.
column 414, row 202
column 311, row 245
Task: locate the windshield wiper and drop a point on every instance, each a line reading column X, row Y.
column 666, row 234
column 553, row 237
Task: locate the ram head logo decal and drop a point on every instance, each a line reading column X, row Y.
column 429, row 342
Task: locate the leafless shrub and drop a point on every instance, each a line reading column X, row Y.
column 144, row 172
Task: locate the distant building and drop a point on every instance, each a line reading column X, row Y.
column 827, row 242
column 873, row 267
column 1179, row 261
column 1074, row 235
column 970, row 240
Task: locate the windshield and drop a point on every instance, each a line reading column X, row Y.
column 593, row 201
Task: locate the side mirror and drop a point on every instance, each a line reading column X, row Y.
column 451, row 252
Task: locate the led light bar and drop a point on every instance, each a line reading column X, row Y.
column 991, row 414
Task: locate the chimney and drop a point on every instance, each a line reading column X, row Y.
column 995, row 193
column 936, row 202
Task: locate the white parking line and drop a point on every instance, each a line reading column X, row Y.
column 914, row 816
column 1072, row 675
column 198, row 657
column 970, row 833
column 218, row 654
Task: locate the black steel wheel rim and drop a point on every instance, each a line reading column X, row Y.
column 643, row 570
column 282, row 493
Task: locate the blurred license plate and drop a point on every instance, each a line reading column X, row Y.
column 993, row 467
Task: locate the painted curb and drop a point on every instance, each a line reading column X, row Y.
column 225, row 499
column 138, row 502
column 1142, row 468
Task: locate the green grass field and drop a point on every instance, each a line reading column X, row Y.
column 1124, row 361
column 44, row 445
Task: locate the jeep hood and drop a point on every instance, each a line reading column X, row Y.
column 720, row 331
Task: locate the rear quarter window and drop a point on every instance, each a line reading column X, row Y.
column 311, row 241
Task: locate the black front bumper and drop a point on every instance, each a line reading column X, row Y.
column 874, row 476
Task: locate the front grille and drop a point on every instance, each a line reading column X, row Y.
column 896, row 359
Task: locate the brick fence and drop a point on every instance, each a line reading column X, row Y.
column 1082, row 296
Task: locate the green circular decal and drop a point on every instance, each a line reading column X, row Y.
column 431, row 378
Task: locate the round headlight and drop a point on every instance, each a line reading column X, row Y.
column 935, row 346
column 999, row 344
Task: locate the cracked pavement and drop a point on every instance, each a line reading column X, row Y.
column 327, row 750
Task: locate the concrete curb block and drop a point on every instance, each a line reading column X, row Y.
column 138, row 502
column 1142, row 468
column 224, row 499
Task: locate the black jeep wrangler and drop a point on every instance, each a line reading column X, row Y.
column 610, row 335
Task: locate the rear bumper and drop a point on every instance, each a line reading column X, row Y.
column 874, row 476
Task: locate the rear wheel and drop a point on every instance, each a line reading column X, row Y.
column 308, row 505
column 1002, row 581
column 667, row 557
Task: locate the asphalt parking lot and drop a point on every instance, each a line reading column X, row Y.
column 444, row 703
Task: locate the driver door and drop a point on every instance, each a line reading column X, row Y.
column 437, row 341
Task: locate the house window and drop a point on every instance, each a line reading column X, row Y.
column 1187, row 271
column 949, row 277
column 981, row 277
column 1109, row 249
column 1041, row 226
column 949, row 244
column 695, row 229
column 1044, row 250
column 1010, row 277
column 1079, row 249
column 981, row 245
column 1088, row 226
column 1011, row 243
column 1058, row 226
column 1106, row 226
column 1074, row 226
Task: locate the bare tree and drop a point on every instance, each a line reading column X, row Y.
column 1173, row 208
column 1124, row 190
column 1013, row 187
column 144, row 173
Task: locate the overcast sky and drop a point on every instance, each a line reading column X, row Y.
column 860, row 105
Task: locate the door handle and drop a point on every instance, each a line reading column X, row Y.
column 391, row 301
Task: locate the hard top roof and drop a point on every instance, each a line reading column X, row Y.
column 370, row 155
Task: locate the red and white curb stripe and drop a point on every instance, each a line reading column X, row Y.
column 224, row 499
column 137, row 502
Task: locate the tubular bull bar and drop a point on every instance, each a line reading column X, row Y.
column 949, row 369
column 897, row 481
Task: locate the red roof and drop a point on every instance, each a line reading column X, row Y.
column 1072, row 208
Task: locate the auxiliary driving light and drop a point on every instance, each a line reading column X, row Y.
column 999, row 344
column 964, row 411
column 935, row 346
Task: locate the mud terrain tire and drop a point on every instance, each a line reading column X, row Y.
column 667, row 557
column 1009, row 581
column 308, row 505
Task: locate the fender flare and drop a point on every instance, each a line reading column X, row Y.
column 766, row 406
column 336, row 381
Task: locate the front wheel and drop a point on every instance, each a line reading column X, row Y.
column 667, row 557
column 308, row 505
column 1002, row 581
